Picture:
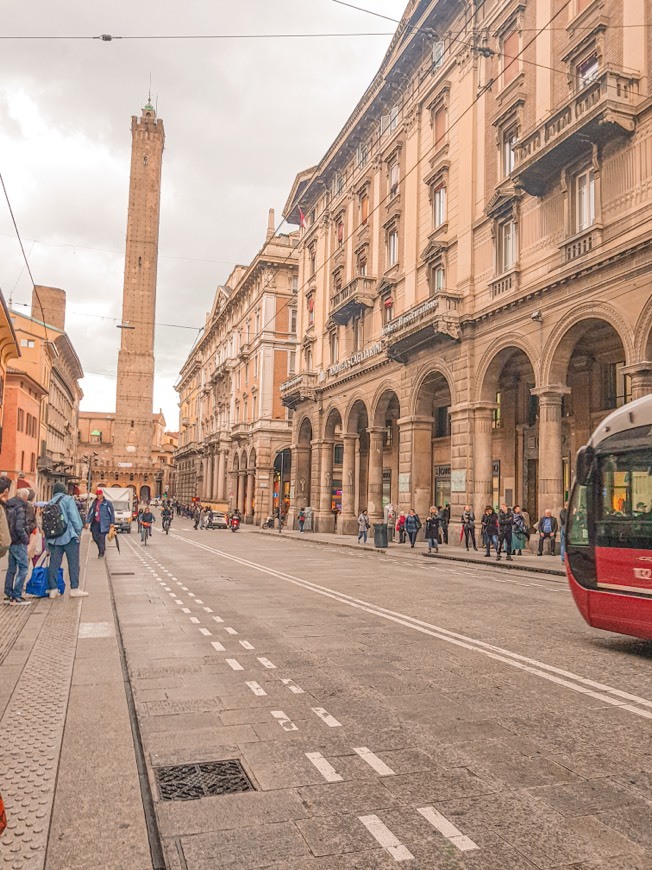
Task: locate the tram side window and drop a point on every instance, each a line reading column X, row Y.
column 578, row 524
column 625, row 504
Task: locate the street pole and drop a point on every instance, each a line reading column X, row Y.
column 280, row 497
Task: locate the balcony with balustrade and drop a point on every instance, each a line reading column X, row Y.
column 352, row 299
column 436, row 316
column 603, row 108
column 298, row 388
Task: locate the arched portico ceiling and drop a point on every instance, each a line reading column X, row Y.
column 506, row 351
column 596, row 327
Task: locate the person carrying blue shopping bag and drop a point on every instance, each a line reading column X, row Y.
column 62, row 527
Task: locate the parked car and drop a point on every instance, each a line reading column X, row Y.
column 219, row 520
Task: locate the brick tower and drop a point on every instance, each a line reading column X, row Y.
column 133, row 434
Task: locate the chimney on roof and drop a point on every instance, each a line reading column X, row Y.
column 271, row 230
column 49, row 305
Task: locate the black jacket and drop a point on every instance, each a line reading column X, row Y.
column 17, row 519
column 432, row 526
column 490, row 523
column 505, row 520
column 468, row 519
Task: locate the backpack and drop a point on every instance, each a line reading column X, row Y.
column 53, row 520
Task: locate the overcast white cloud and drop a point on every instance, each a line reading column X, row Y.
column 241, row 119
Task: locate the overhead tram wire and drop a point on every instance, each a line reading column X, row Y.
column 108, row 37
column 22, row 248
column 428, row 152
column 483, row 51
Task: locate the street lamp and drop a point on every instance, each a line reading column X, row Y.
column 280, row 497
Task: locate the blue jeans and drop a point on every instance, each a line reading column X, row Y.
column 17, row 563
column 71, row 549
column 362, row 536
column 491, row 541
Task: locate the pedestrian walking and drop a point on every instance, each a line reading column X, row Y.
column 432, row 530
column 18, row 562
column 547, row 528
column 490, row 529
column 400, row 527
column 412, row 526
column 563, row 516
column 520, row 533
column 196, row 517
column 69, row 524
column 468, row 527
column 445, row 521
column 101, row 517
column 363, row 526
column 301, row 519
column 505, row 526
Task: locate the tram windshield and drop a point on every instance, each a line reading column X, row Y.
column 624, row 503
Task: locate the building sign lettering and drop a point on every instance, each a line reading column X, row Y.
column 356, row 359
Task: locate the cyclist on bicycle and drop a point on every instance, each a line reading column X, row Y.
column 146, row 520
column 166, row 517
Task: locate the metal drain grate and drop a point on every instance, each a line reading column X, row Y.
column 122, row 573
column 189, row 782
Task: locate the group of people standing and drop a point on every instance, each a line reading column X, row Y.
column 507, row 530
column 57, row 527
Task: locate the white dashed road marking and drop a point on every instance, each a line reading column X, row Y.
column 208, row 609
column 231, row 630
column 326, row 717
column 194, row 620
column 205, row 632
column 218, row 619
column 382, row 834
column 292, row 686
column 246, row 644
column 218, row 646
column 186, row 609
column 448, row 829
column 266, row 663
column 327, row 770
column 285, row 723
column 235, row 664
column 256, row 689
column 373, row 761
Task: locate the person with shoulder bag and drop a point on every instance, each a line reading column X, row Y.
column 433, row 522
column 100, row 518
column 468, row 527
column 412, row 526
column 62, row 528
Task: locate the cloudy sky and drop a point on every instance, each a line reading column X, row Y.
column 242, row 117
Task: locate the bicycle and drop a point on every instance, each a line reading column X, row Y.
column 167, row 522
column 145, row 532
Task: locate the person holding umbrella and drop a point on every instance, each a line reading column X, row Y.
column 100, row 518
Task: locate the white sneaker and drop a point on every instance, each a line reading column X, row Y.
column 54, row 593
column 78, row 593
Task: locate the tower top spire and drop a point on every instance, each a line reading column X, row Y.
column 148, row 109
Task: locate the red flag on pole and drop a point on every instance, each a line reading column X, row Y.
column 302, row 219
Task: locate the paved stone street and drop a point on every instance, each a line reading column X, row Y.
column 384, row 708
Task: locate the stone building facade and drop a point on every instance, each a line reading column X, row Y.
column 235, row 432
column 42, row 449
column 474, row 267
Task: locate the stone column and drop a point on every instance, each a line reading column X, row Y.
column 242, row 486
column 415, row 464
column 221, row 476
column 251, row 492
column 483, row 456
column 641, row 375
column 551, row 484
column 461, row 466
column 302, row 493
column 375, row 479
column 208, row 480
column 215, row 477
column 325, row 518
column 347, row 522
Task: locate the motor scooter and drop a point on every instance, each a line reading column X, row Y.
column 235, row 524
column 269, row 523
